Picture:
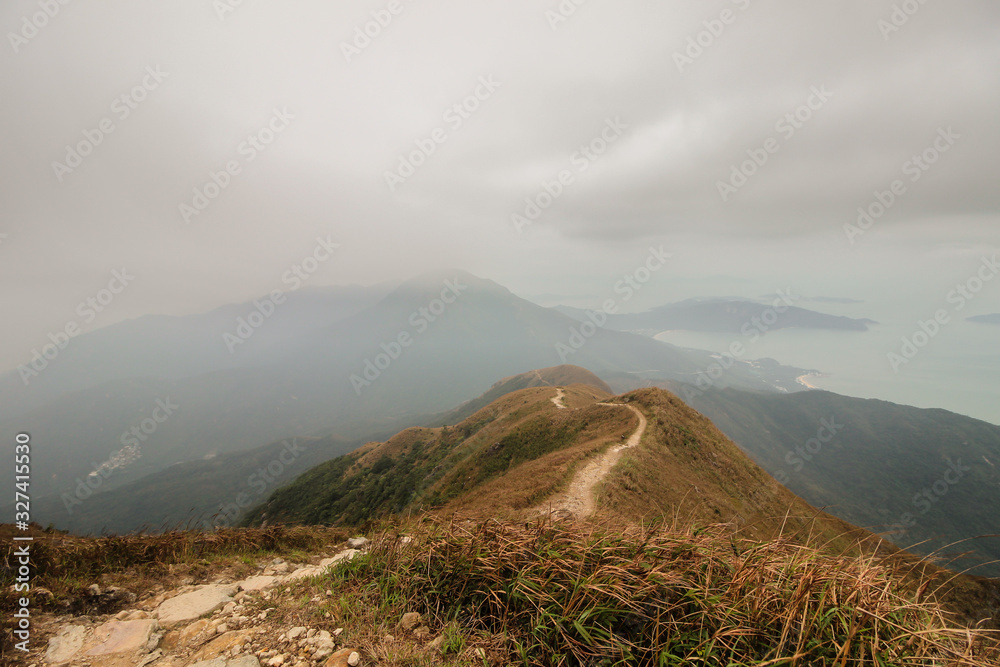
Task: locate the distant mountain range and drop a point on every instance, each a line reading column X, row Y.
column 146, row 395
column 729, row 315
column 220, row 490
column 993, row 318
column 928, row 479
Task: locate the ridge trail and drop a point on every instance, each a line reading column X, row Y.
column 558, row 398
column 578, row 499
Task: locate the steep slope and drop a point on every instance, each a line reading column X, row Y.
column 428, row 467
column 926, row 478
column 523, row 454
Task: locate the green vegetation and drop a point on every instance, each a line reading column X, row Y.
column 527, row 442
column 423, row 468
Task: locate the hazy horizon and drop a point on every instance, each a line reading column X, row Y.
column 843, row 151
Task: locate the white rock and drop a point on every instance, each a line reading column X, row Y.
column 217, row 662
column 304, row 573
column 197, row 603
column 357, row 542
column 346, row 554
column 257, row 583
column 115, row 637
column 245, row 661
column 296, row 632
column 65, row 644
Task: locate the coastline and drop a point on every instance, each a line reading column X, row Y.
column 804, row 379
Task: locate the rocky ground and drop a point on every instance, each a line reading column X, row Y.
column 221, row 623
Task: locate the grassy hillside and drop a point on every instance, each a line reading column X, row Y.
column 688, row 468
column 694, row 556
column 500, row 593
column 556, row 376
column 508, row 458
column 928, row 479
column 429, row 467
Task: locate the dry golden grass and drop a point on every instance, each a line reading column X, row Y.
column 544, row 594
column 528, row 483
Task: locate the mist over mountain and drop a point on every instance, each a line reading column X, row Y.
column 155, row 392
column 621, row 333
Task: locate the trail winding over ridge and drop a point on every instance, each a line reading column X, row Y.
column 578, row 499
column 558, row 398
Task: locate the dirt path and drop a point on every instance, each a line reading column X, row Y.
column 578, row 499
column 558, row 398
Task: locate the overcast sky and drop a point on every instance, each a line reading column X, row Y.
column 676, row 117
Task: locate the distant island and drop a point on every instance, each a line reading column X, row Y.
column 993, row 318
column 725, row 315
